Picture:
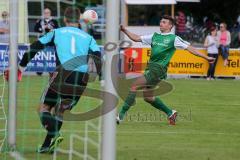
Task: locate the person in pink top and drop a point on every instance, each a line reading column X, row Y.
column 224, row 39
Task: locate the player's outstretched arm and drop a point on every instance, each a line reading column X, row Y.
column 197, row 53
column 132, row 36
column 96, row 56
column 34, row 48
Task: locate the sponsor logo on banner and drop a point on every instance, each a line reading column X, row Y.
column 233, row 67
column 133, row 60
column 43, row 61
column 184, row 63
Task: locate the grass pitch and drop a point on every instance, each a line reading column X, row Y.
column 207, row 126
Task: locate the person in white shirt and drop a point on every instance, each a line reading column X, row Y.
column 4, row 28
column 211, row 43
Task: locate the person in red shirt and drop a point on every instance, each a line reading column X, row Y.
column 181, row 24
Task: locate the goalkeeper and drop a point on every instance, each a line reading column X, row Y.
column 72, row 46
column 163, row 46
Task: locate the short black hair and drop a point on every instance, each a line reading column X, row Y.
column 72, row 14
column 170, row 18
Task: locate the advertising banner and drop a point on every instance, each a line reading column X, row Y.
column 43, row 61
column 183, row 63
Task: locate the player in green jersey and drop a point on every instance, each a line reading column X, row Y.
column 163, row 46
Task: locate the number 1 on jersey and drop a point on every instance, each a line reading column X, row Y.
column 73, row 45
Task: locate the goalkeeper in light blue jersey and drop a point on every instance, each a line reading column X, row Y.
column 72, row 48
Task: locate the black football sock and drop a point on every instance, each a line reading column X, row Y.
column 50, row 124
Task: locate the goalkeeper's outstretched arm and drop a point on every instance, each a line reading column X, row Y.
column 97, row 60
column 132, row 36
column 34, row 48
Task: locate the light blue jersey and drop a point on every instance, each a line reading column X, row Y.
column 70, row 43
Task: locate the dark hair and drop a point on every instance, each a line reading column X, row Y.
column 72, row 14
column 170, row 18
column 47, row 8
column 213, row 28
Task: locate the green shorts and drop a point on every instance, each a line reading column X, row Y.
column 154, row 74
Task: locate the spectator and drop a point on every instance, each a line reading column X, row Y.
column 211, row 43
column 224, row 40
column 46, row 24
column 4, row 28
column 209, row 24
column 181, row 24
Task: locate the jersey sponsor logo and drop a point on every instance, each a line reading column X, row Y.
column 159, row 44
column 73, row 32
column 166, row 41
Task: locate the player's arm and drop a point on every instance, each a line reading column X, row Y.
column 132, row 36
column 195, row 52
column 35, row 48
column 179, row 43
column 96, row 55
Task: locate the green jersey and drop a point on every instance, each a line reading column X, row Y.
column 163, row 46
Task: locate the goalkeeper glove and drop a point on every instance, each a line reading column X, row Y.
column 19, row 73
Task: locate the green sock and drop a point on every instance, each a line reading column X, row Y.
column 130, row 100
column 157, row 103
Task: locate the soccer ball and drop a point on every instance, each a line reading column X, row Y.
column 90, row 16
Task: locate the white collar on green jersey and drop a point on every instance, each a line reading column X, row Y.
column 165, row 33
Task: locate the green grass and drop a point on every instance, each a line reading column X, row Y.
column 207, row 127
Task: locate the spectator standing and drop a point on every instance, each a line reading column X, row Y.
column 45, row 25
column 181, row 24
column 211, row 43
column 224, row 40
column 4, row 28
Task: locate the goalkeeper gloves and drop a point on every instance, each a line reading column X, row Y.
column 19, row 73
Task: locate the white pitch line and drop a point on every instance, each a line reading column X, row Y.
column 136, row 132
column 16, row 155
